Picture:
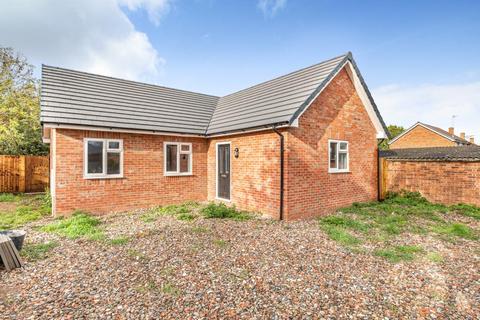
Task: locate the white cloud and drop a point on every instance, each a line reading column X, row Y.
column 270, row 8
column 89, row 35
column 433, row 104
column 154, row 8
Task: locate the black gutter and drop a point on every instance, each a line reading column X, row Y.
column 282, row 152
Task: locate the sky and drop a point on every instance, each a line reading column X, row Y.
column 419, row 58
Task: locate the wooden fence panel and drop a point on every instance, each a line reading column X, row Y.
column 36, row 173
column 24, row 173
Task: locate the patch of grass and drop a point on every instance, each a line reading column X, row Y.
column 183, row 211
column 22, row 215
column 434, row 257
column 186, row 216
column 456, row 230
column 466, row 210
column 199, row 229
column 34, row 252
column 222, row 211
column 220, row 243
column 344, row 222
column 119, row 241
column 8, row 197
column 170, row 289
column 340, row 235
column 399, row 253
column 78, row 225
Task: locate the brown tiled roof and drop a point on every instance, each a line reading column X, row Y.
column 460, row 153
column 446, row 133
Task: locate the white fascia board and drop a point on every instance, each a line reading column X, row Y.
column 381, row 134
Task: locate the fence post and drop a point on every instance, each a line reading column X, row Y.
column 21, row 178
column 383, row 177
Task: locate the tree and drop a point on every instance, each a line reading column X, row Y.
column 20, row 130
column 394, row 131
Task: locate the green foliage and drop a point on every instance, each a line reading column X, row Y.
column 455, row 230
column 79, row 225
column 222, row 211
column 119, row 241
column 340, row 235
column 8, row 197
column 394, row 131
column 20, row 130
column 47, row 198
column 170, row 289
column 28, row 210
column 181, row 212
column 466, row 210
column 435, row 257
column 34, row 252
column 399, row 253
column 220, row 243
column 344, row 222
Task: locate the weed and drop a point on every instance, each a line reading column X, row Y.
column 340, row 235
column 456, row 230
column 221, row 243
column 466, row 210
column 186, row 216
column 170, row 289
column 399, row 253
column 222, row 211
column 8, row 197
column 435, row 257
column 39, row 251
column 199, row 230
column 78, row 225
column 21, row 216
column 344, row 222
column 119, row 241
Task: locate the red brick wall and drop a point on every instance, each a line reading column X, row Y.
column 420, row 137
column 143, row 185
column 255, row 174
column 443, row 182
column 339, row 114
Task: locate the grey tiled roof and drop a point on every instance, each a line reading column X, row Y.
column 73, row 97
column 458, row 153
column 79, row 98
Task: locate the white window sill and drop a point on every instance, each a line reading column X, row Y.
column 339, row 171
column 103, row 177
column 173, row 174
column 223, row 199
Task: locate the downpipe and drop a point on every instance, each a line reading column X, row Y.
column 282, row 152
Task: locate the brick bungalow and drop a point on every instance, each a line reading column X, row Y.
column 293, row 147
column 422, row 135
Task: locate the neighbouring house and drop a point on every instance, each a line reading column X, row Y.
column 296, row 146
column 422, row 135
column 448, row 175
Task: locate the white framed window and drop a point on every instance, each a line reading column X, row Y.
column 103, row 158
column 338, row 157
column 177, row 158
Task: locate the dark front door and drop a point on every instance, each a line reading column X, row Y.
column 223, row 171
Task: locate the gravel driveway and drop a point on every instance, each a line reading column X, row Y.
column 255, row 269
